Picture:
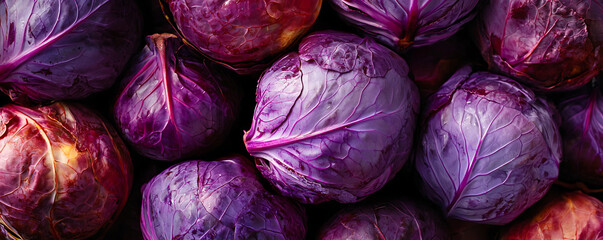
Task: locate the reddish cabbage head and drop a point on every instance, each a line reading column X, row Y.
column 65, row 173
column 335, row 120
column 242, row 34
column 403, row 219
column 54, row 50
column 582, row 131
column 489, row 148
column 570, row 215
column 221, row 199
column 400, row 24
column 174, row 104
column 551, row 45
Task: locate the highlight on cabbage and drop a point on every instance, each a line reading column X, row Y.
column 489, row 149
column 335, row 120
column 244, row 35
column 57, row 49
column 402, row 24
column 66, row 174
column 174, row 104
column 220, row 199
column 582, row 134
column 404, row 219
column 551, row 45
column 568, row 215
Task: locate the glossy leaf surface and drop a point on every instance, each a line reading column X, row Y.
column 220, row 199
column 335, row 120
column 489, row 148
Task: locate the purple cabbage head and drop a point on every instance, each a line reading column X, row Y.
column 582, row 131
column 489, row 148
column 243, row 34
column 335, row 120
column 401, row 24
column 570, row 215
column 174, row 104
column 403, row 219
column 65, row 173
column 55, row 50
column 220, row 199
column 551, row 45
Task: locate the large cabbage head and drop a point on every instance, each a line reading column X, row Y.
column 335, row 120
column 66, row 174
column 551, row 45
column 401, row 24
column 582, row 131
column 174, row 104
column 403, row 219
column 489, row 148
column 243, row 34
column 220, row 199
column 59, row 49
column 570, row 215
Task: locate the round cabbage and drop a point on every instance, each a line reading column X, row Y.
column 551, row 45
column 66, row 174
column 403, row 219
column 243, row 34
column 58, row 49
column 401, row 24
column 570, row 215
column 221, row 199
column 489, row 148
column 335, row 120
column 582, row 131
column 174, row 104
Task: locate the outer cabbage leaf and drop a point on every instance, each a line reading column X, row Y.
column 571, row 215
column 64, row 49
column 489, row 148
column 551, row 45
column 334, row 121
column 402, row 24
column 174, row 104
column 220, row 199
column 582, row 131
column 403, row 219
column 244, row 35
column 66, row 174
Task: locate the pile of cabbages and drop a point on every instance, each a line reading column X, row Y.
column 301, row 119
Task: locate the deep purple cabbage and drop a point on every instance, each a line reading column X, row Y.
column 569, row 215
column 335, row 120
column 489, row 148
column 401, row 24
column 66, row 174
column 58, row 49
column 582, row 134
column 551, row 45
column 403, row 219
column 174, row 104
column 243, row 34
column 220, row 199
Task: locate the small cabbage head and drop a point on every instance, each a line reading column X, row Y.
column 489, row 148
column 246, row 34
column 569, row 215
column 403, row 219
column 174, row 104
column 400, row 24
column 582, row 132
column 550, row 45
column 335, row 120
column 220, row 199
column 56, row 50
column 66, row 174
